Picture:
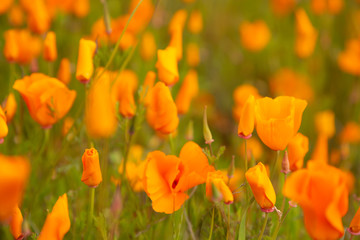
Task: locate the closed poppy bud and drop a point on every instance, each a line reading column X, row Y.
column 16, row 223
column 195, row 24
column 16, row 16
column 147, row 46
column 192, row 55
column 14, row 173
column 247, row 119
column 161, row 112
column 57, row 222
column 261, row 186
column 282, row 7
column 218, row 180
column 64, row 72
column 189, row 89
column 38, row 17
column 47, row 99
column 254, row 36
column 91, row 168
column 297, row 149
column 147, row 85
column 100, row 115
column 178, row 20
column 306, row 35
column 349, row 59
column 350, row 133
column 85, row 67
column 3, row 126
column 355, row 224
column 81, row 8
column 325, row 123
column 240, row 95
column 278, row 120
column 10, row 106
column 176, row 42
column 167, row 66
column 50, row 50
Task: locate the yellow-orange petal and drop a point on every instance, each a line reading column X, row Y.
column 247, row 118
column 50, row 50
column 85, row 67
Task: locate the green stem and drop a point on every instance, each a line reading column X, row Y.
column 229, row 223
column 264, row 226
column 171, row 142
column 274, row 168
column 274, row 236
column 212, row 223
column 91, row 209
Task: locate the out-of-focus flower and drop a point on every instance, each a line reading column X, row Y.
column 288, row 83
column 254, row 36
column 38, row 16
column 350, row 133
column 189, row 89
column 3, row 126
column 57, row 223
column 167, row 177
column 91, row 175
column 123, row 89
column 47, row 99
column 167, row 66
column 306, row 35
column 50, row 50
column 247, row 118
column 349, row 59
column 254, row 149
column 68, row 123
column 192, row 55
column 16, row 16
column 64, row 73
column 278, row 120
column 322, row 6
column 5, row 6
column 320, row 152
column 195, row 24
column 297, row 149
column 100, row 116
column 355, row 223
column 240, row 95
column 321, row 191
column 218, row 180
column 161, row 112
column 178, row 20
column 147, row 85
column 261, row 186
column 176, row 42
column 16, row 221
column 81, row 8
column 147, row 46
column 10, row 107
column 282, row 7
column 20, row 46
column 325, row 123
column 85, row 67
column 14, row 172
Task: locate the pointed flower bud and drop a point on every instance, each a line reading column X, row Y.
column 206, row 129
column 285, row 165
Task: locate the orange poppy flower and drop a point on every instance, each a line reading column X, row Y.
column 3, row 126
column 254, row 36
column 57, row 222
column 100, row 116
column 123, row 89
column 261, row 186
column 167, row 177
column 64, row 72
column 325, row 123
column 218, row 180
column 322, row 6
column 91, row 168
column 20, row 46
column 147, row 85
column 16, row 16
column 176, row 42
column 189, row 89
column 16, row 221
column 147, row 46
column 297, row 149
column 247, row 119
column 355, row 224
column 240, row 95
column 50, row 50
column 278, row 120
column 192, row 55
column 85, row 67
column 14, row 173
column 10, row 106
column 161, row 112
column 178, row 20
column 167, row 66
column 321, row 149
column 322, row 193
column 349, row 59
column 306, row 35
column 81, row 8
column 5, row 6
column 350, row 133
column 47, row 99
column 38, row 16
column 282, row 7
column 195, row 24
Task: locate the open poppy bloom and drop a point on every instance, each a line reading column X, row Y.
column 278, row 120
column 167, row 177
column 57, row 222
column 321, row 191
column 47, row 99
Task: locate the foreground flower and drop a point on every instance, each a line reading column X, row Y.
column 218, row 180
column 14, row 172
column 321, row 191
column 354, row 228
column 297, row 149
column 47, row 99
column 167, row 66
column 306, row 35
column 85, row 67
column 189, row 89
column 3, row 126
column 91, row 168
column 278, row 120
column 16, row 223
column 57, row 222
column 261, row 187
column 167, row 177
column 247, row 118
column 161, row 112
column 254, row 36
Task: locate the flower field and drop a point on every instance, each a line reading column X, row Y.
column 181, row 119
